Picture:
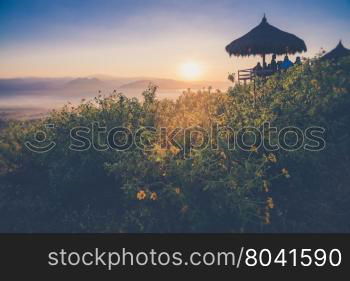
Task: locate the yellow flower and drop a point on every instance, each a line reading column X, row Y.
column 177, row 190
column 314, row 82
column 141, row 195
column 159, row 153
column 266, row 185
column 254, row 149
column 269, row 203
column 174, row 150
column 154, row 196
column 271, row 157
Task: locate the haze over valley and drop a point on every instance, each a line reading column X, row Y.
column 34, row 97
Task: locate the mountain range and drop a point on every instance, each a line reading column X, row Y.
column 99, row 82
column 29, row 98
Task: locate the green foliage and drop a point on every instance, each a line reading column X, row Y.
column 165, row 190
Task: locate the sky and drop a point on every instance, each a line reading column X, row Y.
column 182, row 39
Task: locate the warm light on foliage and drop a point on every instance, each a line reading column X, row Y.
column 214, row 190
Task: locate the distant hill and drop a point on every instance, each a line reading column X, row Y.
column 85, row 83
column 31, row 84
column 162, row 83
column 175, row 84
column 14, row 86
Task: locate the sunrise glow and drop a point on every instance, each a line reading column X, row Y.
column 190, row 70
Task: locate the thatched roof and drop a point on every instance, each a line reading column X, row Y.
column 337, row 52
column 266, row 39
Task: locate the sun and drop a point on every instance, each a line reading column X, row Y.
column 190, row 70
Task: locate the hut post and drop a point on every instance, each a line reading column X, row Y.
column 264, row 59
column 254, row 89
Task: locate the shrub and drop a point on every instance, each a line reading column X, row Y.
column 181, row 189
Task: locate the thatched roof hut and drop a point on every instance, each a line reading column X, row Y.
column 266, row 39
column 338, row 52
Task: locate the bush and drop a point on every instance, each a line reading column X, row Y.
column 181, row 189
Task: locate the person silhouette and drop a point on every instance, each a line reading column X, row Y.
column 258, row 67
column 273, row 64
column 286, row 63
column 279, row 65
column 297, row 61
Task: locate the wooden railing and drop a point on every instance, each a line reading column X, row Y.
column 245, row 75
column 249, row 74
